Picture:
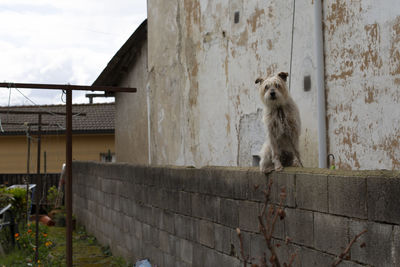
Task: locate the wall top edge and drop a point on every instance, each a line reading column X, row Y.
column 255, row 170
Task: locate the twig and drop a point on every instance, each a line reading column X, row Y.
column 347, row 250
column 245, row 258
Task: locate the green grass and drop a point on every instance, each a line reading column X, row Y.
column 87, row 252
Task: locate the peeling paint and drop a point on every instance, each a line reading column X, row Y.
column 369, row 98
column 254, row 21
column 371, row 56
column 395, row 48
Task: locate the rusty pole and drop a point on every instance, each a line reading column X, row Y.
column 38, row 189
column 28, row 173
column 68, row 187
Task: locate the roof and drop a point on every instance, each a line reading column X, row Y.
column 123, row 59
column 99, row 119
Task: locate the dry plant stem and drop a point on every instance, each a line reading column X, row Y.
column 347, row 250
column 267, row 228
column 245, row 258
column 291, row 260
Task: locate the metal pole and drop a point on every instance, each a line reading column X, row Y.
column 68, row 187
column 28, row 172
column 39, row 190
column 320, row 67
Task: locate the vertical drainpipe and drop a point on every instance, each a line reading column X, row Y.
column 320, row 65
column 148, row 123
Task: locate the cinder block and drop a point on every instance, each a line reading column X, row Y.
column 229, row 213
column 115, row 201
column 186, row 227
column 257, row 182
column 384, row 200
column 145, row 214
column 155, row 236
column 378, row 243
column 207, row 181
column 286, row 251
column 125, row 206
column 330, row 233
column 156, row 214
column 348, row 196
column 107, row 200
column 136, row 249
column 222, row 238
column 199, row 256
column 279, row 228
column 127, row 221
column 167, row 222
column 172, row 200
column 396, row 244
column 191, row 180
column 119, row 187
column 185, row 203
column 168, row 260
column 248, row 216
column 286, row 181
column 299, row 226
column 312, row 192
column 235, row 243
column 212, row 258
column 206, row 233
column 136, row 229
column 310, row 257
column 205, row 207
column 139, row 193
column 186, row 251
column 146, row 233
column 165, row 244
column 230, row 261
column 231, row 183
column 258, row 247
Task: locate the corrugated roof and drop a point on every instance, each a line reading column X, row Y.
column 99, row 119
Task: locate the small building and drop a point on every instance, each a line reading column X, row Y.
column 93, row 136
column 195, row 62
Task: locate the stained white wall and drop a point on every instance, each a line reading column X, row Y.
column 203, row 65
column 362, row 52
column 204, row 105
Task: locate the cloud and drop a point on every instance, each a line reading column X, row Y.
column 45, row 41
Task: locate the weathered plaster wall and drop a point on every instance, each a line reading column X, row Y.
column 131, row 127
column 204, row 57
column 362, row 52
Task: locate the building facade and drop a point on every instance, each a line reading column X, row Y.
column 93, row 137
column 197, row 61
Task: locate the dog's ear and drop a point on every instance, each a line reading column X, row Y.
column 259, row 80
column 283, row 75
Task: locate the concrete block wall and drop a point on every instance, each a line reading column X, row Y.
column 178, row 216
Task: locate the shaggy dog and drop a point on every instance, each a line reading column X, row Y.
column 282, row 120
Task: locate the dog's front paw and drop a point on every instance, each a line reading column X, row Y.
column 278, row 168
column 267, row 170
column 296, row 163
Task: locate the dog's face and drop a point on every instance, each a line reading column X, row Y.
column 273, row 90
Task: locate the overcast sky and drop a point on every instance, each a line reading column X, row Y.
column 61, row 41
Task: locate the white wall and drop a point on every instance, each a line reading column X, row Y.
column 362, row 44
column 204, row 106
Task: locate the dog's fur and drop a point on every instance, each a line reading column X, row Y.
column 282, row 120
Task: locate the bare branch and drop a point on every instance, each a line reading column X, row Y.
column 347, row 250
column 245, row 258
